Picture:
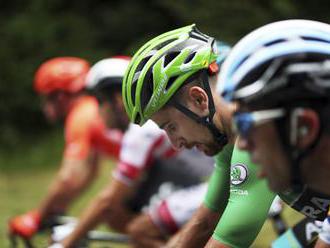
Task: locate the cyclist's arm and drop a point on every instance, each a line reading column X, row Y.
column 218, row 189
column 79, row 163
column 78, row 168
column 108, row 207
column 198, row 230
column 74, row 176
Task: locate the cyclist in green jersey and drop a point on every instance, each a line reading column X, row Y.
column 169, row 80
column 279, row 75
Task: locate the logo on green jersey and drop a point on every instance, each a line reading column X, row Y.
column 238, row 174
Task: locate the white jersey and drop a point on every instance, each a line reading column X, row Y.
column 148, row 158
column 140, row 147
column 148, row 146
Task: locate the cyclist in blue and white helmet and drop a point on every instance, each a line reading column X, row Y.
column 279, row 76
column 104, row 80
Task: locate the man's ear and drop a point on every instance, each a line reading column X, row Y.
column 198, row 97
column 308, row 127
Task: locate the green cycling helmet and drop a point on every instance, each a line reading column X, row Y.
column 162, row 66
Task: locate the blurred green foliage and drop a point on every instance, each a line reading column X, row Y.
column 34, row 154
column 32, row 31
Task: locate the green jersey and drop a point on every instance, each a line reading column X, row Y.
column 244, row 200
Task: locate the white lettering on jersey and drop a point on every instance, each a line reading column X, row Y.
column 321, row 203
column 310, row 211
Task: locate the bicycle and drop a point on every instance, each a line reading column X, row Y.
column 106, row 237
column 303, row 234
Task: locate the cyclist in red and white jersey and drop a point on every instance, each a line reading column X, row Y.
column 61, row 82
column 144, row 197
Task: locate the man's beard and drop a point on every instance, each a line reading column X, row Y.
column 213, row 148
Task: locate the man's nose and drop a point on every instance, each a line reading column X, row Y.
column 177, row 143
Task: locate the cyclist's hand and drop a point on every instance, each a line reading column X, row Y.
column 25, row 225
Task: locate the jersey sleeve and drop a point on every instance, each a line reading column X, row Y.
column 140, row 146
column 248, row 204
column 107, row 141
column 78, row 128
column 218, row 186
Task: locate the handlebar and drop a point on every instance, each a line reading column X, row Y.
column 99, row 236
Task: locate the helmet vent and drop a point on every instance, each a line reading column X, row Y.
column 196, row 34
column 274, row 42
column 241, row 62
column 147, row 89
column 133, row 90
column 137, row 119
column 160, row 46
column 314, row 39
column 170, row 82
column 169, row 57
column 190, row 57
column 142, row 63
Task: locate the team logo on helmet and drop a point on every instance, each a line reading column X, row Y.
column 238, row 174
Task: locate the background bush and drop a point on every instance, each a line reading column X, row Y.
column 32, row 31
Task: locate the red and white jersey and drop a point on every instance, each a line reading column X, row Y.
column 140, row 147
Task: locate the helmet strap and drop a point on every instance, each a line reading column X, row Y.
column 207, row 121
column 324, row 118
column 294, row 154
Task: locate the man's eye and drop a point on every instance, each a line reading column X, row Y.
column 170, row 128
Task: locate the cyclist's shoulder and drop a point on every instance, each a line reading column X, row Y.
column 148, row 132
column 234, row 157
column 83, row 114
column 239, row 156
column 85, row 105
column 141, row 142
column 224, row 157
column 84, row 108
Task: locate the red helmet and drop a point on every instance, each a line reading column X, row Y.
column 62, row 73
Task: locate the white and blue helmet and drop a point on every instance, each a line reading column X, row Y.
column 288, row 59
